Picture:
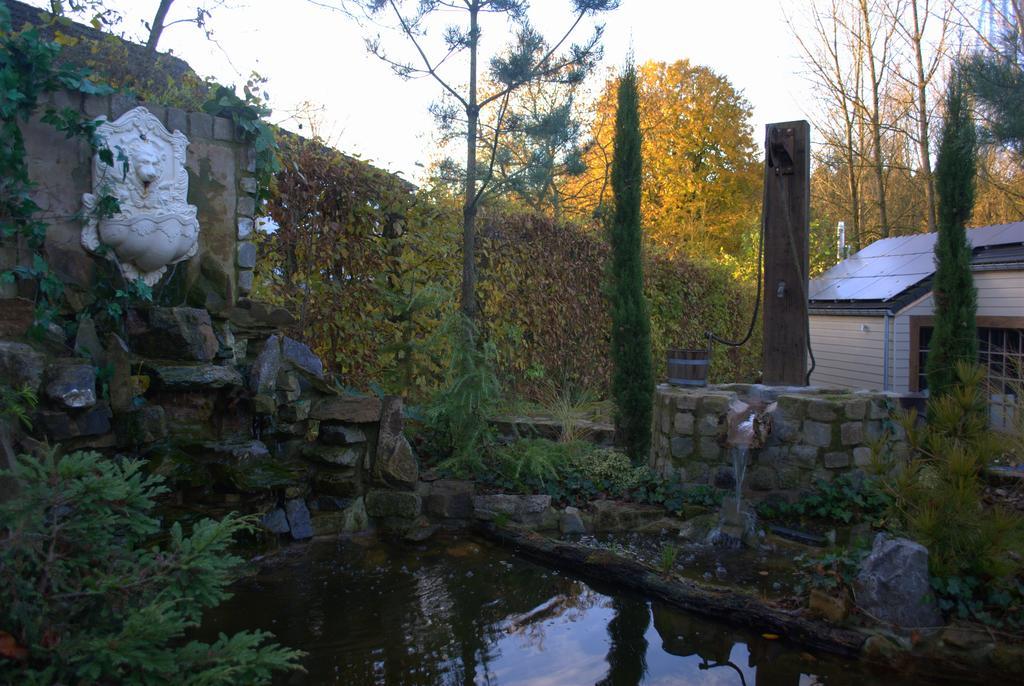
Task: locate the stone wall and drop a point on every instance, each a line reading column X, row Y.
column 221, row 186
column 816, row 434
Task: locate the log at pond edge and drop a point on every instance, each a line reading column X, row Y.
column 722, row 604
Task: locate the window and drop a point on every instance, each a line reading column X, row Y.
column 1000, row 350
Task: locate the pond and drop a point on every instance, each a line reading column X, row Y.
column 460, row 611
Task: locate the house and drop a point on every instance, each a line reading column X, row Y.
column 871, row 315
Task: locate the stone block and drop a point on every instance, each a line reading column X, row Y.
column 450, row 499
column 852, row 433
column 200, row 125
column 296, row 411
column 301, row 357
column 347, row 408
column 16, row 317
column 71, row 385
column 245, row 228
column 817, row 433
column 400, row 504
column 177, row 120
column 176, row 333
column 822, row 410
column 246, row 206
column 873, row 430
column 683, row 424
column 196, row 376
column 836, row 460
column 794, row 406
column 121, row 103
column 861, row 456
column 805, row 455
column 140, row 426
column 298, row 519
column 343, row 483
column 724, row 478
column 687, row 402
column 761, row 478
column 856, row 409
column 246, row 255
column 223, row 129
column 716, row 403
column 275, row 521
column 95, row 421
column 709, row 424
column 21, row 365
column 95, row 106
column 681, row 447
column 710, row 450
column 879, row 409
column 245, row 281
column 341, row 434
column 248, row 184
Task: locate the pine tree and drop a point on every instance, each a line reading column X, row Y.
column 632, row 377
column 955, row 336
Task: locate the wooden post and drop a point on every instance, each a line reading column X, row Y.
column 787, row 195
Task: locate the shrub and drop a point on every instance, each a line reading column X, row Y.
column 86, row 598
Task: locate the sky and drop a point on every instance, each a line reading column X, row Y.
column 311, row 54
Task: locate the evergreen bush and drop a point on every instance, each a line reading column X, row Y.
column 632, row 376
column 955, row 337
column 87, row 597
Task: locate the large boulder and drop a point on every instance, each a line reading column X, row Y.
column 302, row 358
column 893, row 586
column 395, row 463
column 187, row 377
column 298, row 519
column 175, row 333
column 396, row 504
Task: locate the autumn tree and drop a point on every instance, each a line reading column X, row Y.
column 528, row 59
column 701, row 181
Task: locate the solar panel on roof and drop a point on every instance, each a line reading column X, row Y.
column 890, row 266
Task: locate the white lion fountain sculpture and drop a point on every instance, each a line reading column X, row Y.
column 155, row 227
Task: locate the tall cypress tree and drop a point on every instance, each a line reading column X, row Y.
column 632, row 377
column 955, row 337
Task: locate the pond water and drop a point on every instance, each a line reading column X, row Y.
column 460, row 611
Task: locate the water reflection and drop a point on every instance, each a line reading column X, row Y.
column 464, row 613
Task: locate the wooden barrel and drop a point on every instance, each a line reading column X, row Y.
column 687, row 367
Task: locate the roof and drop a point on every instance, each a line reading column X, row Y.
column 891, row 272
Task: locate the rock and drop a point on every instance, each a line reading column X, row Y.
column 828, row 607
column 355, row 517
column 893, row 586
column 302, row 357
column 71, row 385
column 695, row 529
column 16, row 317
column 351, row 408
column 263, row 375
column 822, row 410
column 880, row 648
column 119, row 359
column 862, row 456
column 177, row 333
column 683, row 423
column 87, row 341
column 20, row 366
column 818, row 434
column 964, row 637
column 341, row 434
column 724, row 478
column 342, row 456
column 837, row 460
column 275, row 521
column 343, row 483
column 852, row 433
column 681, row 447
column 196, row 377
column 398, row 468
column 570, row 523
column 488, row 507
column 450, row 499
column 57, row 426
column 420, row 530
column 95, row 421
column 296, row 411
column 264, row 404
column 399, row 504
column 298, row 519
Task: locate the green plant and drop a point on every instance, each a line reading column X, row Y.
column 530, row 462
column 937, row 499
column 459, row 411
column 667, row 560
column 849, row 498
column 955, row 336
column 833, row 571
column 632, row 378
column 85, row 596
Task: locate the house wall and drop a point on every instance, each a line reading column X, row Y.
column 848, row 351
column 1000, row 294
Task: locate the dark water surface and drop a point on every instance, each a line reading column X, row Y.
column 462, row 612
